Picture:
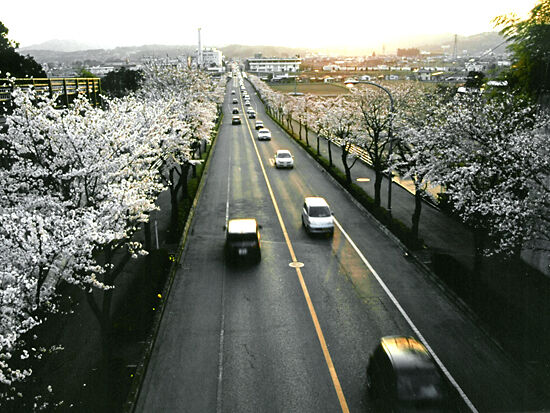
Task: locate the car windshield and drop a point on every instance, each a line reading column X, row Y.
column 420, row 385
column 283, row 155
column 319, row 211
column 242, row 237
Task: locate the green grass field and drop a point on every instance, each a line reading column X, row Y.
column 323, row 89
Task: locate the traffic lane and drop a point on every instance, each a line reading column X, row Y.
column 182, row 372
column 447, row 329
column 174, row 379
column 272, row 357
column 351, row 331
column 352, row 322
column 184, row 367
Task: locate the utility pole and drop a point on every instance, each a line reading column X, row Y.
column 455, row 48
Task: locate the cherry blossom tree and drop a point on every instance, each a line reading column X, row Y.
column 304, row 115
column 492, row 156
column 415, row 152
column 340, row 126
column 376, row 120
column 190, row 100
column 76, row 184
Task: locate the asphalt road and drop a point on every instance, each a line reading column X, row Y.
column 271, row 337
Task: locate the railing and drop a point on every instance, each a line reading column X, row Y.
column 67, row 88
column 355, row 150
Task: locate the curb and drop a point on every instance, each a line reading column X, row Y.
column 139, row 375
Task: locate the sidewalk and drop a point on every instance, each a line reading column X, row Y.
column 511, row 302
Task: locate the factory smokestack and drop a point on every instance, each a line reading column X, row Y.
column 199, row 55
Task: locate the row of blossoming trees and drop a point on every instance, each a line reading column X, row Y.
column 76, row 183
column 491, row 152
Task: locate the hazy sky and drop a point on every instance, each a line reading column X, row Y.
column 293, row 23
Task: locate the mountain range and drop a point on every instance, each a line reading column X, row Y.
column 68, row 52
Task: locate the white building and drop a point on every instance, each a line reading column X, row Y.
column 331, row 68
column 211, row 57
column 273, row 64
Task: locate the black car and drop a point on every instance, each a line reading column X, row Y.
column 236, row 120
column 242, row 240
column 235, row 111
column 402, row 376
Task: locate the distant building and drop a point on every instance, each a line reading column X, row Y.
column 273, row 64
column 211, row 57
column 331, row 68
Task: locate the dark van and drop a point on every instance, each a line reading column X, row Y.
column 242, row 241
column 403, row 377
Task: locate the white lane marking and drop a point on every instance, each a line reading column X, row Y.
column 409, row 321
column 222, row 320
column 220, row 351
column 228, row 189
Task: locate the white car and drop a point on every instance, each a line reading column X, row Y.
column 317, row 216
column 259, row 124
column 284, row 159
column 264, row 134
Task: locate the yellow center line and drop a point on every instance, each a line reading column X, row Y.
column 313, row 313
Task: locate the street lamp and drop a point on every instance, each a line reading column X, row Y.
column 350, row 83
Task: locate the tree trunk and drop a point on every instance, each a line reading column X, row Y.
column 183, row 181
column 147, row 233
column 347, row 169
column 479, row 247
column 300, row 130
column 173, row 213
column 307, row 140
column 377, row 185
column 329, row 153
column 416, row 214
column 318, row 146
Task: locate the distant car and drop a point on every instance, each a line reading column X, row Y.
column 251, row 113
column 236, row 120
column 235, row 101
column 403, row 377
column 247, row 103
column 284, row 159
column 242, row 240
column 259, row 124
column 264, row 134
column 235, row 111
column 317, row 216
column 232, row 92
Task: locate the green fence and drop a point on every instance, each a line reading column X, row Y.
column 65, row 88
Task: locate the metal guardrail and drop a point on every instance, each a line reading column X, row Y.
column 66, row 88
column 356, row 151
